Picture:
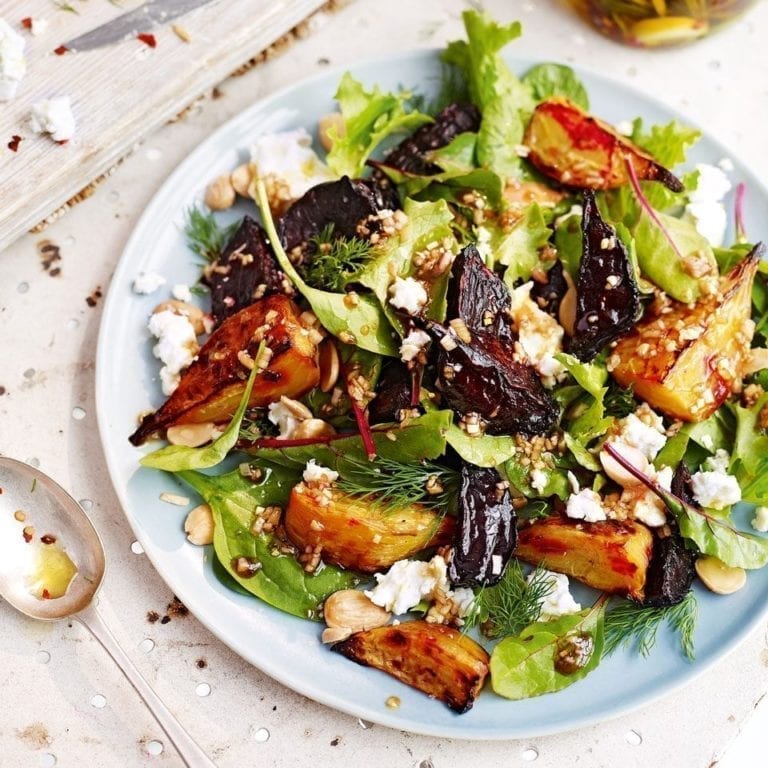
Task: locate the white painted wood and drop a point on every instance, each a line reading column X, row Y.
column 119, row 93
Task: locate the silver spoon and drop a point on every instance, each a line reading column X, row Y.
column 44, row 536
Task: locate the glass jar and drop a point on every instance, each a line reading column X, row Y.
column 654, row 23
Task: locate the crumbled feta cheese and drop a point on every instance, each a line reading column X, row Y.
column 725, row 164
column 315, row 472
column 483, row 241
column 539, row 479
column 573, row 482
column 148, row 282
column 540, row 337
column 412, row 344
column 462, row 598
column 53, row 116
column 648, row 439
column 288, row 157
column 38, row 26
column 625, row 128
column 559, row 602
column 648, row 508
column 705, row 205
column 714, row 487
column 282, row 417
column 181, row 292
column 176, row 346
column 408, row 294
column 760, row 520
column 585, row 505
column 13, row 67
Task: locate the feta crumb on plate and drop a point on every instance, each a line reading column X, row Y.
column 646, row 433
column 176, row 346
column 408, row 294
column 283, row 418
column 315, row 472
column 706, row 207
column 559, row 602
column 760, row 520
column 53, row 116
column 713, row 487
column 13, row 67
column 148, row 282
column 181, row 292
column 412, row 344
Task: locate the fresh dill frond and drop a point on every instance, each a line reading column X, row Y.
column 205, row 236
column 619, row 402
column 630, row 624
column 393, row 484
column 508, row 607
column 537, row 509
column 336, row 260
column 256, row 425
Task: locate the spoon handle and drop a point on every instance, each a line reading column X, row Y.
column 190, row 752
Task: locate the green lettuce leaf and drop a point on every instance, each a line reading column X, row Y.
column 281, row 580
column 548, row 80
column 524, row 666
column 749, row 457
column 504, row 101
column 369, row 117
column 518, row 249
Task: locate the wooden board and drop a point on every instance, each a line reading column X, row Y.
column 119, row 93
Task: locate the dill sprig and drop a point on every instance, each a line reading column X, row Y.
column 205, row 236
column 393, row 484
column 508, row 607
column 631, row 624
column 619, row 401
column 336, row 260
column 255, row 425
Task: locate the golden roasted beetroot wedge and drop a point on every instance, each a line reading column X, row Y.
column 211, row 388
column 610, row 555
column 356, row 533
column 433, row 658
column 578, row 150
column 686, row 361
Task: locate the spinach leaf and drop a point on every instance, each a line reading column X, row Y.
column 423, row 438
column 518, row 249
column 547, row 80
column 364, row 325
column 173, row 458
column 427, row 222
column 527, row 665
column 504, row 101
column 281, row 581
column 369, row 117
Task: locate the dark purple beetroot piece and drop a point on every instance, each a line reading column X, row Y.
column 245, row 271
column 548, row 295
column 410, row 155
column 478, row 296
column 671, row 570
column 481, row 377
column 393, row 393
column 486, row 534
column 607, row 297
column 344, row 203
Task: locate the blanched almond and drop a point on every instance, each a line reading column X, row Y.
column 352, row 610
column 241, row 178
column 616, row 472
column 718, row 577
column 328, row 360
column 220, row 194
column 312, row 428
column 335, row 634
column 191, row 435
column 199, row 525
column 327, row 122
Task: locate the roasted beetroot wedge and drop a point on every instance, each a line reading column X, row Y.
column 410, row 156
column 487, row 388
column 486, row 533
column 607, row 296
column 345, row 203
column 578, row 150
column 246, row 271
column 479, row 296
column 393, row 392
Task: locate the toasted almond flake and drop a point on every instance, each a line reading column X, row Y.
column 174, row 498
column 181, row 33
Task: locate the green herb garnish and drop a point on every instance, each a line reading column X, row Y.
column 205, row 236
column 336, row 259
column 512, row 604
column 631, row 624
column 395, row 484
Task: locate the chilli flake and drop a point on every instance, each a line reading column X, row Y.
column 147, row 39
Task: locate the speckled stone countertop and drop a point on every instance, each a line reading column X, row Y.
column 63, row 702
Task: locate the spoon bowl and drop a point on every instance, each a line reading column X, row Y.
column 33, row 506
column 52, row 564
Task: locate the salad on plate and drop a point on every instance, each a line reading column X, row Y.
column 459, row 353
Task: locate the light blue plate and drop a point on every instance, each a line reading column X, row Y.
column 287, row 648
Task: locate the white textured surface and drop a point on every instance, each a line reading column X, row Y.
column 46, row 413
